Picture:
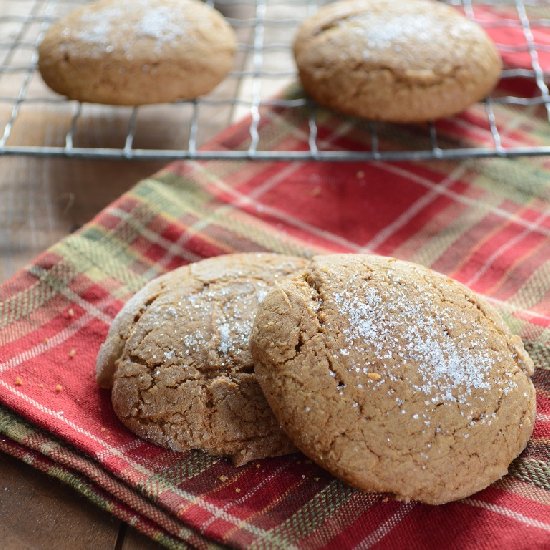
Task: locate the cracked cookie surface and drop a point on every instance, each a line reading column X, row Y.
column 157, row 51
column 393, row 377
column 396, row 61
column 178, row 358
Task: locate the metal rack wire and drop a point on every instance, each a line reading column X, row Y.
column 265, row 46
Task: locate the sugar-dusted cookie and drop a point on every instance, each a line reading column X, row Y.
column 178, row 359
column 396, row 61
column 151, row 51
column 393, row 377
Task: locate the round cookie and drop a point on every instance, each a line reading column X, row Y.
column 157, row 51
column 178, row 356
column 393, row 377
column 396, row 61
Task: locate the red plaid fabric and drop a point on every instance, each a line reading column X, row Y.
column 483, row 222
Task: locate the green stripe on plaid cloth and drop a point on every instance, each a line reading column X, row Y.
column 38, row 449
column 486, row 223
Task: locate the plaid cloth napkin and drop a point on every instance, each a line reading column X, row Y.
column 483, row 222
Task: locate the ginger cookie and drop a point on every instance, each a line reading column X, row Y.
column 154, row 52
column 396, row 61
column 393, row 377
column 179, row 361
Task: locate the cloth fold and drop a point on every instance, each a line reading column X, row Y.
column 483, row 222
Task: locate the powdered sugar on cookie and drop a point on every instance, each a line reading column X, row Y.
column 102, row 28
column 159, row 24
column 451, row 367
column 402, row 380
column 381, row 32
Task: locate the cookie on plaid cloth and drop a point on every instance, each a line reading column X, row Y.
column 393, row 377
column 178, row 358
column 397, row 61
column 157, row 51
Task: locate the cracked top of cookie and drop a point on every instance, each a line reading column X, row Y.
column 178, row 358
column 394, row 377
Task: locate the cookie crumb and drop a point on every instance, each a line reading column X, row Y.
column 237, row 490
column 18, row 381
column 385, row 499
column 58, row 388
column 360, row 174
column 316, row 478
column 303, row 476
column 257, row 466
column 374, row 376
column 72, row 353
column 70, row 313
column 316, row 191
column 223, row 479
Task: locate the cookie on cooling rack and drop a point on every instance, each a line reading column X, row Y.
column 393, row 377
column 153, row 51
column 395, row 61
column 178, row 359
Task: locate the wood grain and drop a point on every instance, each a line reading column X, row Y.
column 37, row 511
column 133, row 540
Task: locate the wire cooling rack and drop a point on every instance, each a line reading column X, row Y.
column 265, row 29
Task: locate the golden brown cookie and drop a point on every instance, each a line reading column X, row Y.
column 393, row 377
column 397, row 61
column 179, row 360
column 156, row 51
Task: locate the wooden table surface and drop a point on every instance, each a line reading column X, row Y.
column 44, row 199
